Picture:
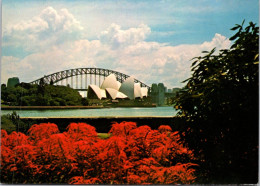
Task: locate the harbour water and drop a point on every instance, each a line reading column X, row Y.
column 104, row 112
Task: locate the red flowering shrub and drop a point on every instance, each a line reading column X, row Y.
column 81, row 131
column 55, row 158
column 3, row 133
column 24, row 163
column 43, row 130
column 16, row 156
column 122, row 129
column 132, row 155
column 15, row 139
column 112, row 159
column 165, row 128
column 7, row 161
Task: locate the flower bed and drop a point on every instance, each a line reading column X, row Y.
column 131, row 155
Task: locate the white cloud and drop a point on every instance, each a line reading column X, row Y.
column 50, row 27
column 13, row 67
column 53, row 38
column 116, row 37
column 218, row 41
column 157, row 62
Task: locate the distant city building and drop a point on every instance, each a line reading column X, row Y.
column 12, row 82
column 161, row 94
column 154, row 93
column 113, row 89
column 158, row 94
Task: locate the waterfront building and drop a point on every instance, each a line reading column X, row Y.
column 161, row 94
column 112, row 89
column 158, row 94
column 154, row 93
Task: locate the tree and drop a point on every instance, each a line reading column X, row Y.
column 41, row 87
column 84, row 101
column 220, row 104
column 25, row 94
column 7, row 124
column 3, row 86
column 11, row 98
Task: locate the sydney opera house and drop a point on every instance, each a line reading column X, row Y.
column 113, row 89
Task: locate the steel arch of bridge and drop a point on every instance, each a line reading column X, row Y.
column 59, row 76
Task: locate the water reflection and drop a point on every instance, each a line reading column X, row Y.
column 105, row 112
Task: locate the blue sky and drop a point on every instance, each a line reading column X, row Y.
column 151, row 40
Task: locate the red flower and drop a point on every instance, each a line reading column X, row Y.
column 122, row 129
column 132, row 155
column 15, row 139
column 165, row 128
column 81, row 131
column 3, row 133
column 42, row 131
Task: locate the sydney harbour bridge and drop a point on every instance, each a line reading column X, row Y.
column 80, row 78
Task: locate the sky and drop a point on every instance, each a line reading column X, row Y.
column 152, row 40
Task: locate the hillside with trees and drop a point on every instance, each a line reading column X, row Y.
column 25, row 94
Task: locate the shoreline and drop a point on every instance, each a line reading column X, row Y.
column 48, row 107
column 99, row 117
column 59, row 107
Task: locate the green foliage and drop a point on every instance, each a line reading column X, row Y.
column 3, row 86
column 7, row 124
column 171, row 100
column 85, row 101
column 12, row 122
column 25, row 94
column 220, row 104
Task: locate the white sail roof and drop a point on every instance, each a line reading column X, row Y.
column 96, row 90
column 103, row 93
column 118, row 84
column 144, row 91
column 121, row 95
column 113, row 88
column 112, row 92
column 127, row 87
column 110, row 82
column 137, row 90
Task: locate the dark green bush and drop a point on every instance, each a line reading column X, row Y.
column 220, row 103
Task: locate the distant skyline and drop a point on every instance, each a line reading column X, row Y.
column 153, row 40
